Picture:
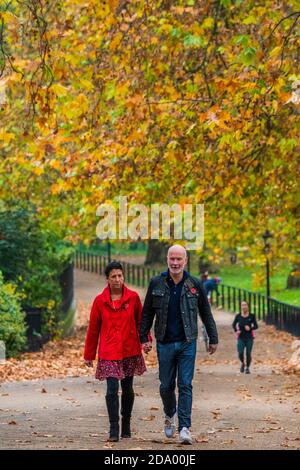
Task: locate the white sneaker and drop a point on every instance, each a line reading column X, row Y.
column 185, row 436
column 170, row 426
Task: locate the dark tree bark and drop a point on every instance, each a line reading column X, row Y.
column 157, row 252
column 293, row 279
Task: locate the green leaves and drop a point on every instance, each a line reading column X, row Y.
column 248, row 56
column 191, row 41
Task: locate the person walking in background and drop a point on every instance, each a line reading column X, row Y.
column 210, row 285
column 204, row 276
column 114, row 324
column 175, row 299
column 244, row 325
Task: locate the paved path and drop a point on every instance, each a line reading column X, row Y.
column 230, row 410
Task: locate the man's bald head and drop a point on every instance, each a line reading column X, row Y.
column 177, row 249
column 177, row 259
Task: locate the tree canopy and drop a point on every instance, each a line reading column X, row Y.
column 162, row 101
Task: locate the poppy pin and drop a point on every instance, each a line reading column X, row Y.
column 193, row 290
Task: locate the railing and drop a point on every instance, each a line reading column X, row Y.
column 134, row 274
column 284, row 316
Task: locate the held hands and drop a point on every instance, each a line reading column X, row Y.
column 247, row 328
column 147, row 347
column 88, row 363
column 212, row 348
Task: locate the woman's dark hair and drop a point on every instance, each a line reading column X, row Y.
column 112, row 265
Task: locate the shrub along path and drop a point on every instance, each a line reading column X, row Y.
column 50, row 400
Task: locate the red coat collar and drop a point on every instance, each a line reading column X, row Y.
column 124, row 299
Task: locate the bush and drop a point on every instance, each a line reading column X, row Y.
column 33, row 257
column 12, row 319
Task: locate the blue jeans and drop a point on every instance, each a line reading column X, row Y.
column 177, row 360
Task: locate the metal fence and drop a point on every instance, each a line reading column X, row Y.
column 284, row 316
column 136, row 275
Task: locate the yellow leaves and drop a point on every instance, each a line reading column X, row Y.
column 122, row 90
column 86, row 84
column 275, row 52
column 61, row 186
column 77, row 107
column 115, row 42
column 135, row 136
column 251, row 19
column 227, row 191
column 113, row 4
column 218, row 180
column 6, row 136
column 154, row 40
column 59, row 89
column 135, row 100
column 38, row 170
column 55, row 164
column 208, row 23
column 9, row 17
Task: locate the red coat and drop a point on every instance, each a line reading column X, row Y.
column 117, row 331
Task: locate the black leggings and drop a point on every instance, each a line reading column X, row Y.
column 126, row 386
column 243, row 344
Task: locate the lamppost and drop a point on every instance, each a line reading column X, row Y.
column 267, row 248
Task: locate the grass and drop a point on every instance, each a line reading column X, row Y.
column 240, row 276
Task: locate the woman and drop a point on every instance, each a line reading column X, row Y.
column 114, row 323
column 244, row 325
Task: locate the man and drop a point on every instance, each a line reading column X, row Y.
column 210, row 285
column 175, row 298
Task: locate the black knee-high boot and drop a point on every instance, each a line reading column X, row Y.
column 112, row 403
column 126, row 409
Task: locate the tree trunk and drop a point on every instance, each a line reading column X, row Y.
column 293, row 279
column 203, row 263
column 157, row 252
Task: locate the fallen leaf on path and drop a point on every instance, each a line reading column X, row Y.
column 148, row 418
column 109, row 445
column 286, row 444
column 216, row 413
column 154, row 408
column 227, row 442
column 201, row 439
column 12, row 422
column 212, row 431
column 43, row 390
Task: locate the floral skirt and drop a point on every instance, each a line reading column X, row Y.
column 127, row 367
